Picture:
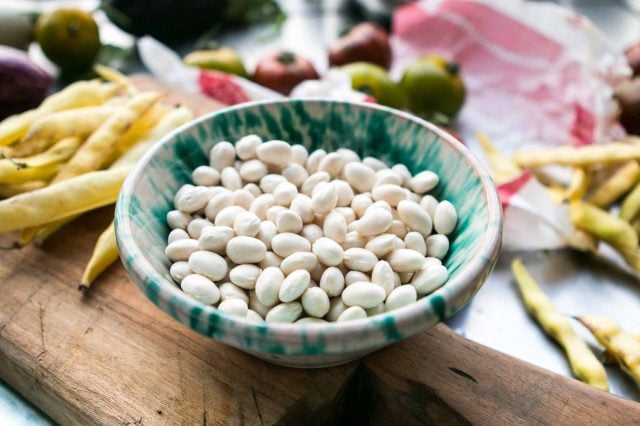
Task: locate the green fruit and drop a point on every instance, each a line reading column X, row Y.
column 223, row 59
column 69, row 38
column 433, row 87
column 374, row 80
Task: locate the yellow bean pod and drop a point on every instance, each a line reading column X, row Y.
column 7, row 191
column 619, row 183
column 501, row 167
column 44, row 132
column 577, row 156
column 603, row 225
column 102, row 144
column 104, row 254
column 578, row 186
column 620, row 345
column 61, row 200
column 631, row 204
column 583, row 362
column 76, row 95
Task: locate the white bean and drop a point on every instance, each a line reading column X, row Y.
column 429, row 279
column 217, row 203
column 288, row 221
column 349, row 155
column 315, row 302
column 261, row 204
column 273, row 212
column 312, row 232
column 275, row 152
column 297, row 261
column 208, row 264
column 227, row 216
column 270, row 259
column 415, row 217
column 230, row 179
column 287, row 243
column 423, row 182
column 402, row 170
column 382, row 244
column 359, row 176
column 311, row 320
column 299, row 154
column 196, row 226
column 314, row 159
column 328, row 251
column 215, row 238
column 355, row 276
column 324, row 198
column 374, row 163
column 316, row 273
column 232, row 291
column 294, row 285
column 352, row 313
column 284, row 193
column 177, row 234
column 336, row 307
column 374, row 222
column 301, row 204
column 359, row 259
column 347, row 213
column 253, row 189
column 405, row 260
column 284, row 312
column 344, row 192
column 254, row 316
column 243, row 198
column 194, row 199
column 246, row 146
column 382, row 275
column 179, row 270
column 268, row 285
column 379, row 205
column 335, row 227
column 392, row 194
column 331, row 163
column 245, row 276
column 247, row 224
column 387, row 176
column 246, row 250
column 234, row 307
column 363, row 294
column 181, row 249
column 361, row 203
column 295, row 173
column 205, row 176
column 222, row 155
column 269, row 182
column 437, row 246
column 266, row 232
column 255, row 305
column 332, row 281
column 429, row 203
column 312, row 181
column 200, row 288
column 445, row 218
column 405, row 277
column 398, row 229
column 178, row 220
column 415, row 241
column 353, row 239
column 375, row 310
column 401, row 296
column 253, row 170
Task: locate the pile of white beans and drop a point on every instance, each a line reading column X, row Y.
column 270, row 232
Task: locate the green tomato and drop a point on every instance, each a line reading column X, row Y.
column 374, row 80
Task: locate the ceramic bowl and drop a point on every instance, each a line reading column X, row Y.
column 369, row 130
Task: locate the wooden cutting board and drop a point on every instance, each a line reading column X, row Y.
column 112, row 357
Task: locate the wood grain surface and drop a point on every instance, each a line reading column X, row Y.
column 111, row 357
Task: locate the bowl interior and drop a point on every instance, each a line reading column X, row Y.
column 369, row 130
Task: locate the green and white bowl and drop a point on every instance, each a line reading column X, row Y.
column 368, row 129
